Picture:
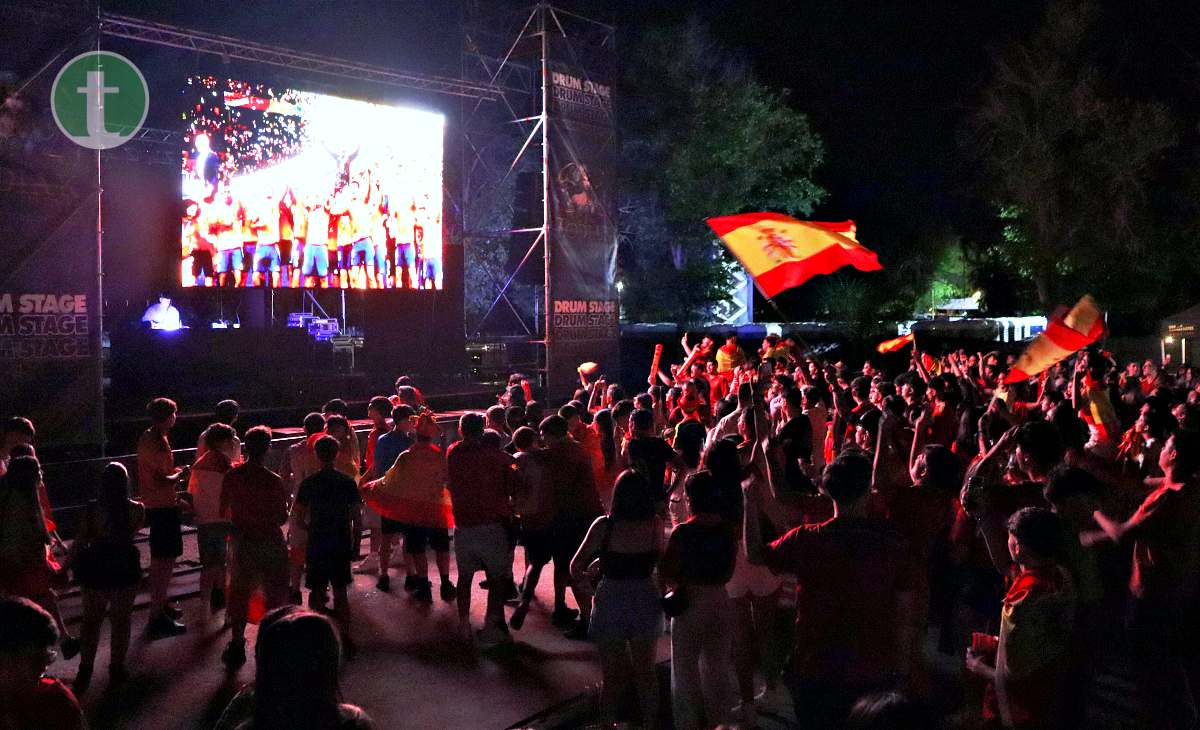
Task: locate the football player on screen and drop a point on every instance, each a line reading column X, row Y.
column 226, row 230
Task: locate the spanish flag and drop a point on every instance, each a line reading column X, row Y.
column 893, row 345
column 781, row 252
column 1064, row 335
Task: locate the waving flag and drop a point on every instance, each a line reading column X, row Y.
column 781, row 252
column 1064, row 335
column 896, row 344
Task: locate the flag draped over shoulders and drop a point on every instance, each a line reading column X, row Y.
column 413, row 490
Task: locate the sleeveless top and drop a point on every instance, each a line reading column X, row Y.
column 627, row 566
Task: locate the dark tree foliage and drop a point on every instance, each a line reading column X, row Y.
column 1077, row 172
column 701, row 137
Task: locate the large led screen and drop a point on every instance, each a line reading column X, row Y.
column 285, row 188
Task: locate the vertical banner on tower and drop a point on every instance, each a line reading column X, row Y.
column 583, row 218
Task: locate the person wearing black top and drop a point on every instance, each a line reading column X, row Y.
column 698, row 562
column 648, row 454
column 324, row 503
column 108, row 567
column 622, row 547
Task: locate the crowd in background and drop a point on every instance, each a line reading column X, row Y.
column 1033, row 529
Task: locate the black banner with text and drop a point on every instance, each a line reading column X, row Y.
column 583, row 225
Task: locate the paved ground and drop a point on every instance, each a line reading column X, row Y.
column 410, row 672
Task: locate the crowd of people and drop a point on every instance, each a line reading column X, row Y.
column 1033, row 529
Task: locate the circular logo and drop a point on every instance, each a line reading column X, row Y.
column 99, row 100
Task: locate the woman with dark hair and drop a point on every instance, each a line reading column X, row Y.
column 696, row 565
column 108, row 567
column 24, row 570
column 623, row 546
column 689, row 444
column 605, row 456
column 296, row 678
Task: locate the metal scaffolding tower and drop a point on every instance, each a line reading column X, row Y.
column 511, row 53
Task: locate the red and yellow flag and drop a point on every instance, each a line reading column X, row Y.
column 1064, row 335
column 896, row 344
column 781, row 252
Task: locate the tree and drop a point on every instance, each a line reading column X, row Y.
column 700, row 138
column 1070, row 166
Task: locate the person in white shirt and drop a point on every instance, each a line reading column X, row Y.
column 212, row 526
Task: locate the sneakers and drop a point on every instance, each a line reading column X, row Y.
column 83, row 679
column 163, row 626
column 746, row 715
column 563, row 617
column 493, row 635
column 423, row 592
column 384, row 583
column 234, row 655
column 577, row 632
column 172, row 612
column 69, row 647
column 448, row 591
column 517, row 620
column 370, row 565
column 411, row 583
column 216, row 602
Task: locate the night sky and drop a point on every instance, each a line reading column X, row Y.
column 888, row 85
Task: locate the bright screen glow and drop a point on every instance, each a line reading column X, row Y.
column 285, row 188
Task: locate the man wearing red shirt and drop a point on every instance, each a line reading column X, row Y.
column 480, row 480
column 1165, row 532
column 256, row 501
column 572, row 488
column 850, row 588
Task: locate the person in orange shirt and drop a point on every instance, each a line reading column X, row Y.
column 158, row 485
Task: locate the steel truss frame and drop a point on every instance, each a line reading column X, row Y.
column 511, row 52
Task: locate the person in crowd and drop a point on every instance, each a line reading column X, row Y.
column 696, row 564
column 605, row 453
column 26, row 568
column 620, row 551
column 324, row 506
column 413, row 501
column 480, row 481
column 16, row 431
column 848, row 641
column 108, row 566
column 296, row 678
column 1165, row 536
column 300, row 463
column 688, row 445
column 28, row 697
column 256, row 501
column 222, row 451
column 567, row 472
column 1026, row 664
column 225, row 412
column 379, row 409
column 647, row 453
column 158, row 484
column 390, row 446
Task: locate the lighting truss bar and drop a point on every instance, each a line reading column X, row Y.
column 121, row 26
